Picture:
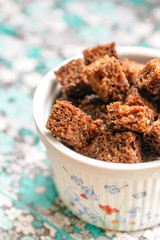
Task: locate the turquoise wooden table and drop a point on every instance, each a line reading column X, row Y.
column 34, row 37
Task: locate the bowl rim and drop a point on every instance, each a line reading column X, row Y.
column 51, row 142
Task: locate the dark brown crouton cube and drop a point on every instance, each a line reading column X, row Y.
column 93, row 106
column 107, row 79
column 71, row 125
column 72, row 79
column 90, row 150
column 152, row 136
column 134, row 98
column 115, row 147
column 124, row 117
column 131, row 69
column 148, row 80
column 92, row 54
column 124, row 147
column 148, row 152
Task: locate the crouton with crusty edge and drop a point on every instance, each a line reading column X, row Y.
column 93, row 106
column 92, row 54
column 72, row 79
column 148, row 80
column 107, row 79
column 134, row 98
column 71, row 125
column 124, row 117
column 124, row 147
column 131, row 69
column 152, row 136
column 89, row 150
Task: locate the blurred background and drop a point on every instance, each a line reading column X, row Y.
column 47, row 31
column 34, row 37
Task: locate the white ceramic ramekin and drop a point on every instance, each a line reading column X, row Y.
column 122, row 197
